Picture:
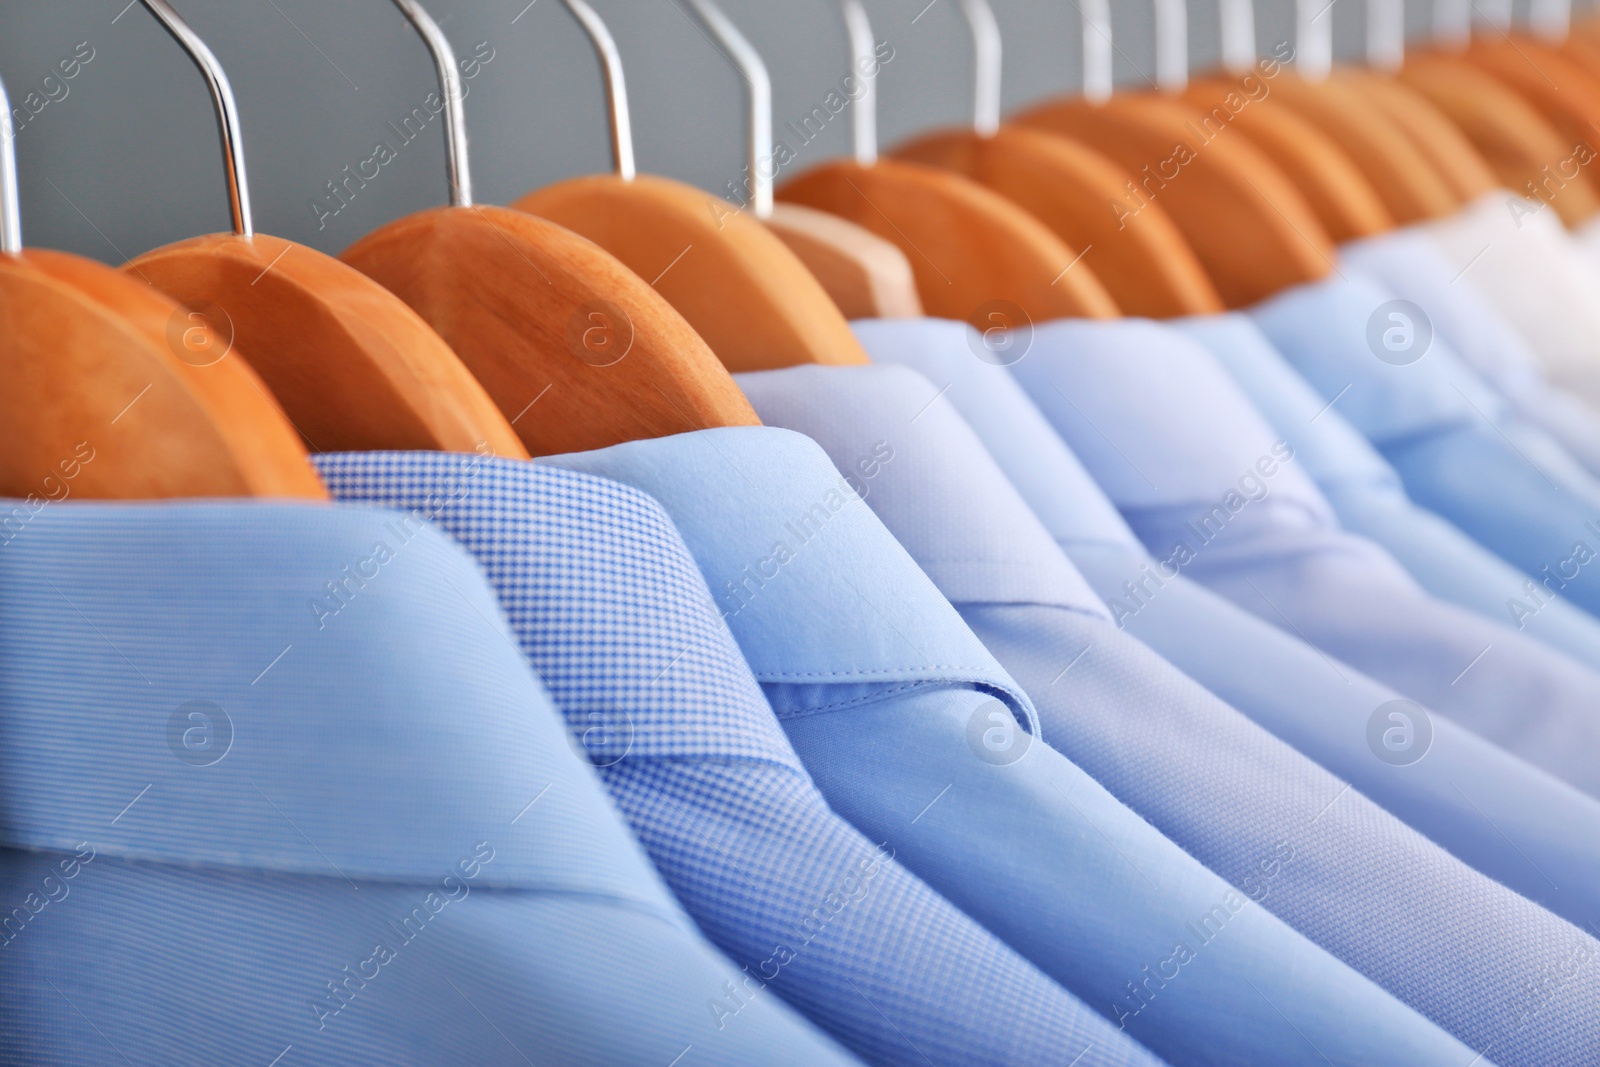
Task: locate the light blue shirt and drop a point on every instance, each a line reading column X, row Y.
column 609, row 606
column 1214, row 493
column 1456, row 445
column 1370, row 501
column 1408, row 263
column 1154, row 738
column 274, row 788
column 1509, row 820
column 907, row 725
column 1270, row 995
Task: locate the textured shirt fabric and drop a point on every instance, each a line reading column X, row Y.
column 1519, row 258
column 1507, row 819
column 1457, row 447
column 276, row 790
column 1261, row 993
column 1410, row 263
column 1213, row 782
column 609, row 606
column 1213, row 492
column 1367, row 495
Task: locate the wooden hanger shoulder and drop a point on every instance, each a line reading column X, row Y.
column 107, row 398
column 575, row 349
column 1562, row 90
column 866, row 276
column 1403, row 177
column 1453, row 156
column 968, row 246
column 1510, row 133
column 1142, row 259
column 1345, row 202
column 1254, row 233
column 736, row 282
column 354, row 368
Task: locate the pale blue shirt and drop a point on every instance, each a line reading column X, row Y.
column 903, row 720
column 1213, row 492
column 1150, row 735
column 1369, row 499
column 1408, row 262
column 609, row 606
column 275, row 788
column 1513, row 822
column 1458, row 448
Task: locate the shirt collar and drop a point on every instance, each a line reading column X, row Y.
column 813, row 587
column 1157, row 419
column 1332, row 329
column 1053, row 481
column 936, row 488
column 1332, row 450
column 295, row 688
column 602, row 596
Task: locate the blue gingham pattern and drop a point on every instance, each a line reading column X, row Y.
column 611, row 610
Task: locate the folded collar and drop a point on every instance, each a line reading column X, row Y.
column 813, row 587
column 1053, row 481
column 932, row 482
column 602, row 595
column 296, row 688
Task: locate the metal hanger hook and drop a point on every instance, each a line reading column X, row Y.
column 863, row 57
column 10, row 200
column 1238, row 34
column 1386, row 34
column 605, row 46
column 1172, row 45
column 455, row 111
column 758, row 93
column 987, row 66
column 226, row 107
column 1313, row 39
column 1096, row 34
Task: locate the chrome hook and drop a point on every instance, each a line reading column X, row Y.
column 605, row 46
column 455, row 116
column 864, row 129
column 10, row 201
column 758, row 93
column 226, row 107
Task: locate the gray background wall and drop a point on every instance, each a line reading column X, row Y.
column 128, row 159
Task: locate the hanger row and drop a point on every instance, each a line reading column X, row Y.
column 612, row 307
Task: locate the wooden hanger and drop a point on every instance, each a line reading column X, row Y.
column 578, row 351
column 975, row 253
column 1142, row 259
column 1251, row 229
column 865, row 276
column 103, row 400
column 738, row 284
column 1453, row 156
column 353, row 367
column 1344, row 200
column 1565, row 93
column 1510, row 133
column 1403, row 177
